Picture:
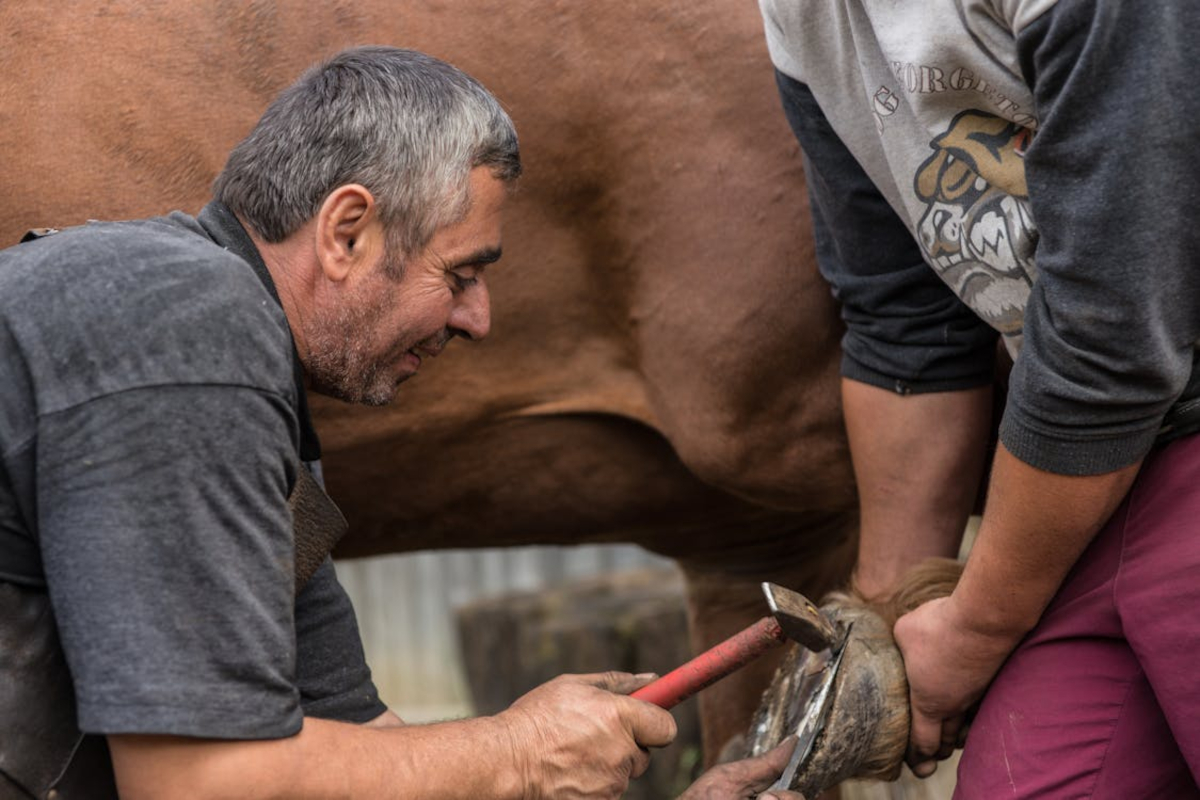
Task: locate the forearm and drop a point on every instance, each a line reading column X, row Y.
column 574, row 737
column 918, row 462
column 1035, row 526
column 463, row 759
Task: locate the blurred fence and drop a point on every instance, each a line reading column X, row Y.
column 406, row 603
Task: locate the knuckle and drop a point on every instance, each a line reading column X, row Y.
column 611, row 678
column 671, row 727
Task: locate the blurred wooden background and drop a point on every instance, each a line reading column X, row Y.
column 406, row 609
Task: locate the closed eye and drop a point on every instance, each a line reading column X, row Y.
column 468, row 270
column 461, row 282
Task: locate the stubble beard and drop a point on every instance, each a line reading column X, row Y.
column 339, row 364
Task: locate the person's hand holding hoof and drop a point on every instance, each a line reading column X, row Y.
column 746, row 778
column 949, row 664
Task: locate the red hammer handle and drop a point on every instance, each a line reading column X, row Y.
column 713, row 664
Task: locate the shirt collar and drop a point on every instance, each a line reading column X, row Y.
column 226, row 230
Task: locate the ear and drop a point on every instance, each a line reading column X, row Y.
column 348, row 231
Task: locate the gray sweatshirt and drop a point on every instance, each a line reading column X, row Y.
column 1040, row 158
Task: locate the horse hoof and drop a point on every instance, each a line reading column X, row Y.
column 864, row 730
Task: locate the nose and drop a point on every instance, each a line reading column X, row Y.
column 471, row 316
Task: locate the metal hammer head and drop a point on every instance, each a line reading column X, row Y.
column 800, row 620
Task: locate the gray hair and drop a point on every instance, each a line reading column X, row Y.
column 407, row 126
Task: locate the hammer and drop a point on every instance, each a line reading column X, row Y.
column 792, row 617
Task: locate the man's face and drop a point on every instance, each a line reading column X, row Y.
column 363, row 348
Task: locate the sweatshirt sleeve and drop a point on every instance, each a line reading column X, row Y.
column 1113, row 320
column 906, row 331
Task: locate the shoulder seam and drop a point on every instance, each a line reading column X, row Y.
column 289, row 397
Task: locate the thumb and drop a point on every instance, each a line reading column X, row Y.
column 619, row 682
column 760, row 772
column 778, row 756
column 925, row 738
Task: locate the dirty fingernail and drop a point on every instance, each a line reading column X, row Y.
column 925, row 769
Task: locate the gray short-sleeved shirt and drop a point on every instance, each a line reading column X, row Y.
column 150, row 421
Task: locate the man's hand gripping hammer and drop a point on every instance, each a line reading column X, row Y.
column 792, row 617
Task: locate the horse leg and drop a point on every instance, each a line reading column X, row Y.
column 725, row 596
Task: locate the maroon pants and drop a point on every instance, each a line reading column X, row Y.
column 1102, row 699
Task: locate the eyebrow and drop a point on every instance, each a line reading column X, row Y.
column 486, row 255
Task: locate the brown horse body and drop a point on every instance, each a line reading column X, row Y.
column 663, row 362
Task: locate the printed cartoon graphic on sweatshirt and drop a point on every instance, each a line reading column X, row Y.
column 977, row 230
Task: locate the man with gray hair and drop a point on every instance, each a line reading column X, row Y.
column 165, row 629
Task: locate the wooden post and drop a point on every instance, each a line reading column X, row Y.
column 630, row 621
